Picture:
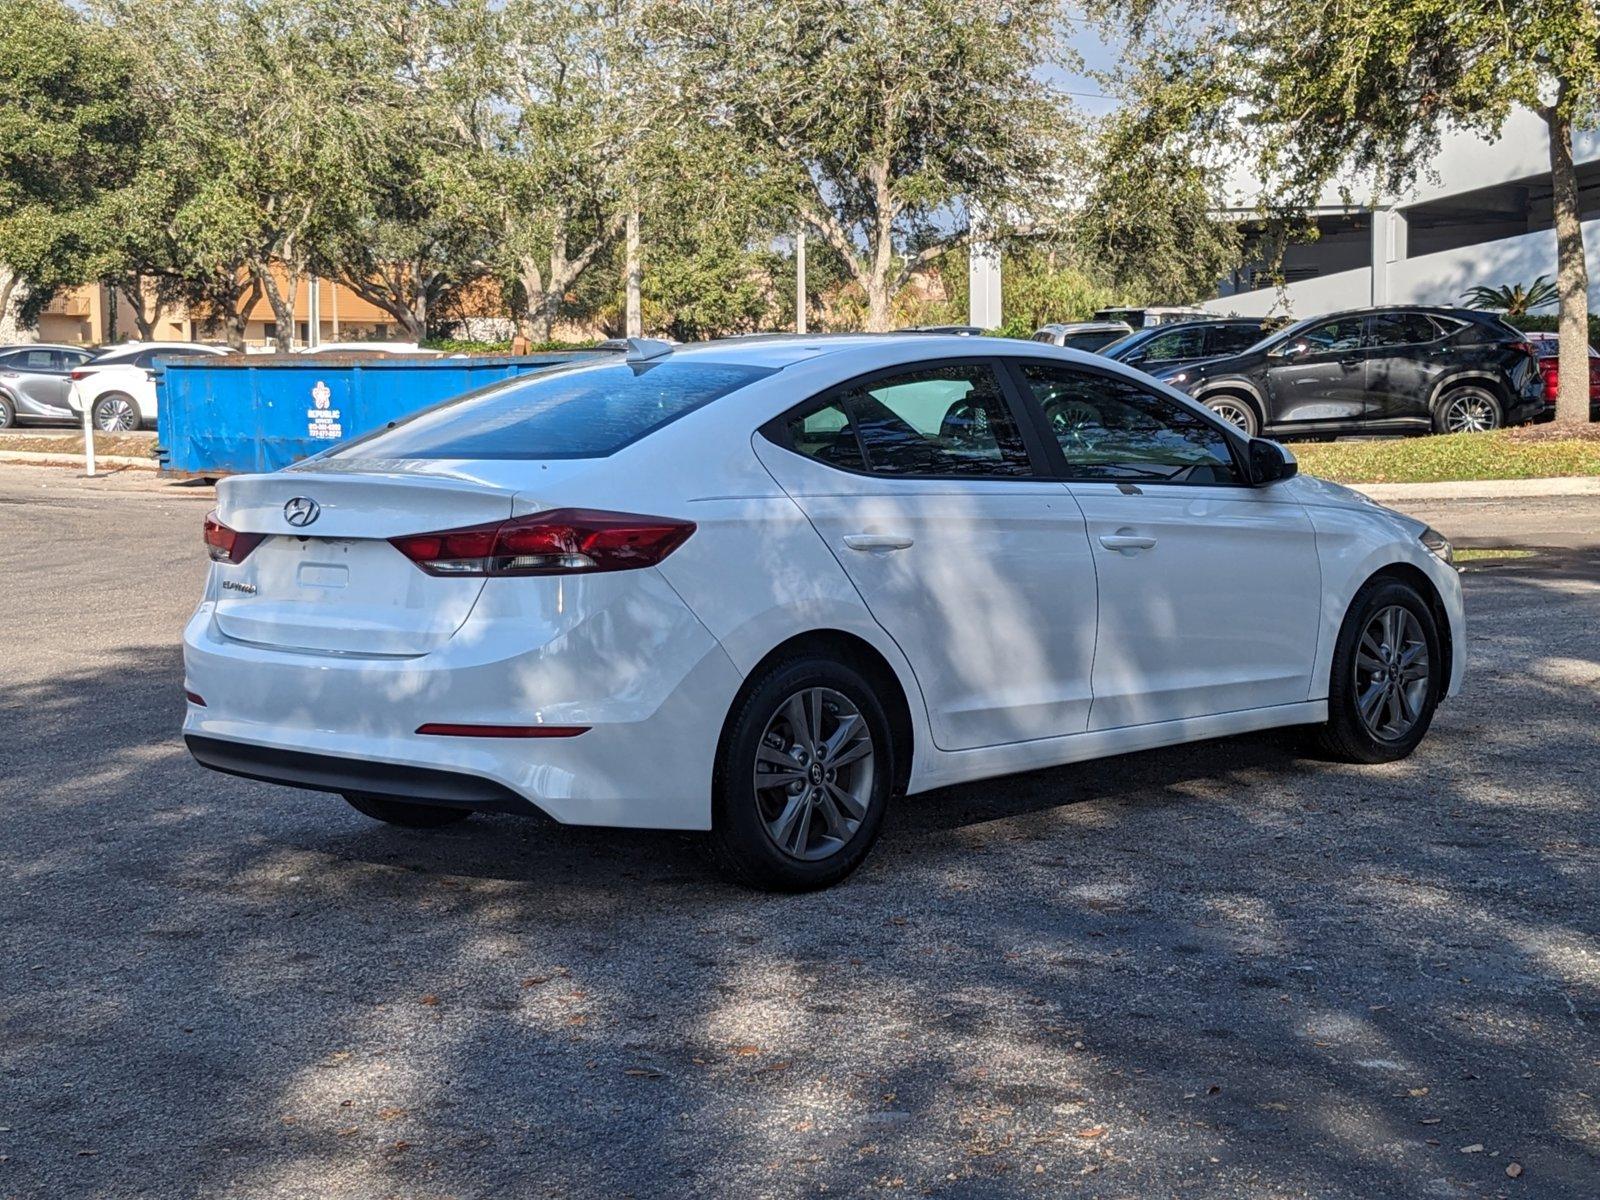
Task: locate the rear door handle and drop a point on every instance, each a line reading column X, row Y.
column 877, row 541
column 1126, row 541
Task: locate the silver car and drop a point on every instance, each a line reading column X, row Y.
column 34, row 381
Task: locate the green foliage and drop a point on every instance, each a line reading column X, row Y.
column 1513, row 299
column 68, row 141
column 1551, row 323
column 471, row 346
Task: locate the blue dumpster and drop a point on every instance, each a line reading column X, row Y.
column 259, row 413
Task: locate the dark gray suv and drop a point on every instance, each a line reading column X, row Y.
column 34, row 382
column 1374, row 370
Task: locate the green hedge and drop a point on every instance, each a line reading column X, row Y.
column 1549, row 322
column 465, row 346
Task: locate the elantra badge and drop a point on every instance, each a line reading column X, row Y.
column 301, row 511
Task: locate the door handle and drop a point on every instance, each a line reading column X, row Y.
column 877, row 541
column 1126, row 541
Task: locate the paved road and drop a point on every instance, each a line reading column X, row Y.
column 1223, row 971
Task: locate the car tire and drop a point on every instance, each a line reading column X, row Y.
column 1470, row 408
column 404, row 812
column 8, row 413
column 1381, row 698
column 819, row 817
column 1236, row 411
column 116, row 412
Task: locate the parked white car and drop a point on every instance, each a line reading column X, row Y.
column 118, row 386
column 760, row 588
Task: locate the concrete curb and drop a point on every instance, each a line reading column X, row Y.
column 1482, row 489
column 41, row 458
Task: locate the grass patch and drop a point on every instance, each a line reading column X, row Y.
column 1489, row 555
column 1457, row 456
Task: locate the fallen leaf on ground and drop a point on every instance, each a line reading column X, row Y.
column 429, row 1000
column 1093, row 1131
column 389, row 1114
column 746, row 1051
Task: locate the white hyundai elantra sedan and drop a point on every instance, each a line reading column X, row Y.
column 762, row 587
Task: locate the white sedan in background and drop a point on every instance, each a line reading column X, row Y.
column 761, row 588
column 118, row 385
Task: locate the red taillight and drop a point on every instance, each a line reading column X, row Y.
column 194, row 698
column 560, row 542
column 504, row 731
column 228, row 545
column 78, row 374
column 1552, row 377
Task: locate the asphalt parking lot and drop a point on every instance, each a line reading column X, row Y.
column 1227, row 970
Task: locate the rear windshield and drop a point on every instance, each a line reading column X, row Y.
column 587, row 412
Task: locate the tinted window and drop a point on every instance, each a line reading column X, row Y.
column 575, row 413
column 1231, row 339
column 1174, row 345
column 1110, row 429
column 1341, row 333
column 1091, row 341
column 942, row 421
column 1400, row 329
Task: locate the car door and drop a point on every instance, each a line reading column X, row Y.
column 40, row 379
column 1406, row 352
column 1210, row 590
column 923, row 483
column 1318, row 377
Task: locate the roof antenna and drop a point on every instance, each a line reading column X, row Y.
column 645, row 349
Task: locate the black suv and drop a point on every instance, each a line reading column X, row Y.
column 1164, row 346
column 1374, row 370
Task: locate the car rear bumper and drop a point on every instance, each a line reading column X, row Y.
column 642, row 677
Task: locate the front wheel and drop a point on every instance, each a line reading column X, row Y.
column 803, row 777
column 8, row 413
column 1468, row 410
column 402, row 812
column 1235, row 412
column 1388, row 676
column 116, row 413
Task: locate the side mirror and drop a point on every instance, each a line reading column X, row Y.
column 1270, row 462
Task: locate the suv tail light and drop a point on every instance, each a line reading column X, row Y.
column 228, row 545
column 560, row 542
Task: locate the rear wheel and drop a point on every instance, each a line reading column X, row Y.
column 116, row 413
column 1468, row 409
column 803, row 777
column 1388, row 675
column 403, row 812
column 8, row 413
column 1236, row 411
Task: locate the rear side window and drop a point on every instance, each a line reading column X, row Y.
column 588, row 412
column 1231, row 339
column 1175, row 345
column 1400, row 329
column 949, row 421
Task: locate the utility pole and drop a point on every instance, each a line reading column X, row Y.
column 800, row 280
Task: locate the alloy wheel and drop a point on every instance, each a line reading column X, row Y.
column 813, row 773
column 1392, row 673
column 114, row 415
column 1233, row 412
column 1470, row 411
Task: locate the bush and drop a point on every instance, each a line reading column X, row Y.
column 467, row 346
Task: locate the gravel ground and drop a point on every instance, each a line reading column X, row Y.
column 1217, row 971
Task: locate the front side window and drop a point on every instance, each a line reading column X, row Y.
column 1400, row 329
column 588, row 412
column 1115, row 431
column 945, row 422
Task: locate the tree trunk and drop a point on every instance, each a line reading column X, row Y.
column 1572, row 274
column 282, row 302
column 634, row 319
column 538, row 307
column 133, row 290
column 9, row 282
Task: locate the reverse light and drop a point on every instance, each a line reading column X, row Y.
column 228, row 545
column 560, row 542
column 1438, row 545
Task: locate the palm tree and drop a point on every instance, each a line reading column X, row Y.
column 1512, row 298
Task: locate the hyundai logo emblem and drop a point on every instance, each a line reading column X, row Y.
column 301, row 511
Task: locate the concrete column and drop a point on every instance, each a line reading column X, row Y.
column 1389, row 235
column 983, row 282
column 800, row 280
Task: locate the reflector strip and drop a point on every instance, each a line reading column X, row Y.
column 504, row 731
column 194, row 698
